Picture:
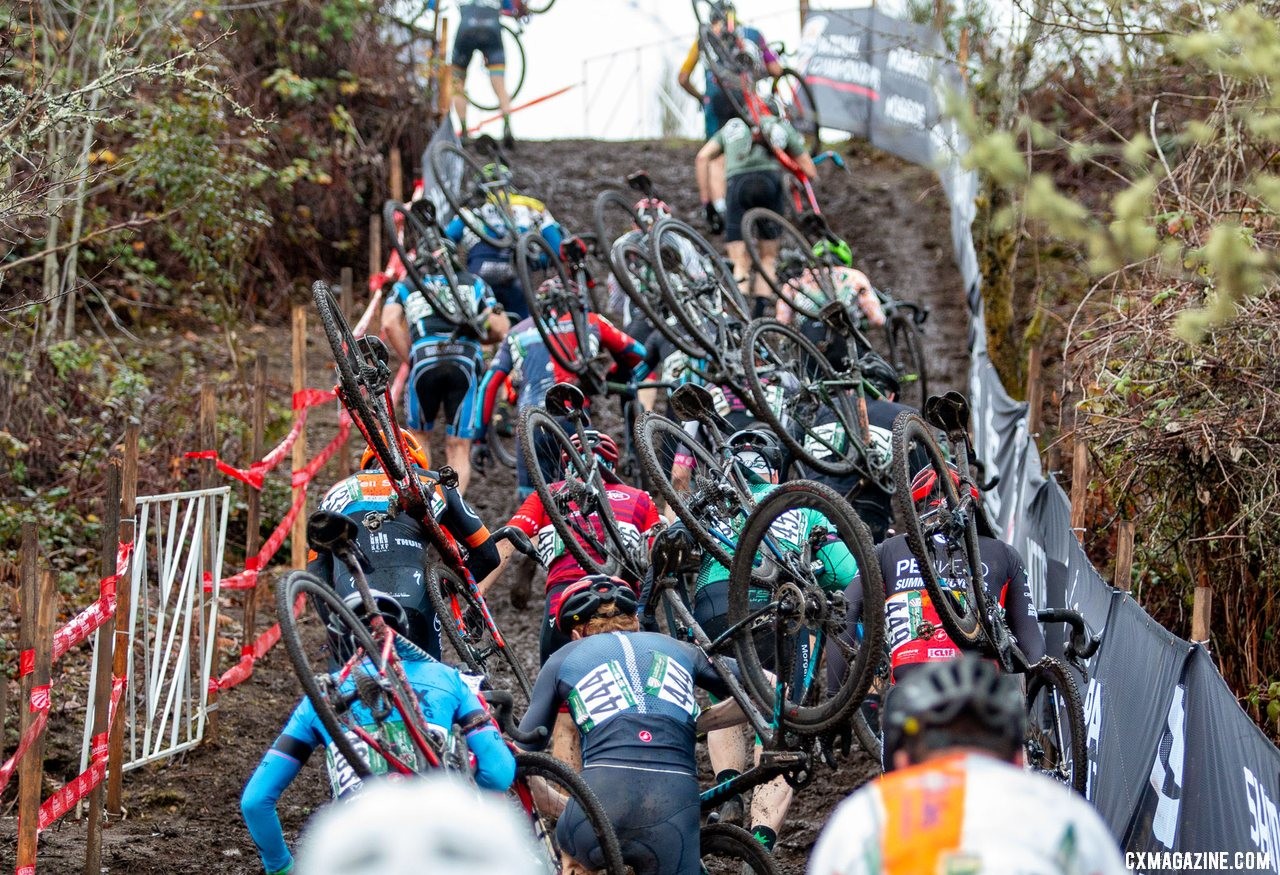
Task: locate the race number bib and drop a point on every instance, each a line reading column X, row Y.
column 671, row 682
column 721, row 402
column 602, row 694
column 819, row 440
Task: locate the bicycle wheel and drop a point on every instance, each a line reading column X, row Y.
column 1057, row 743
column 699, row 288
column 614, row 216
column 796, row 277
column 555, row 302
column 480, row 198
column 793, row 387
column 712, row 504
column 961, row 606
column 479, row 645
column 907, row 358
column 731, row 850
column 798, row 106
column 362, row 385
column 801, row 546
column 429, row 266
column 630, row 263
column 544, row 786
column 539, row 6
column 575, row 499
column 513, row 74
column 868, row 738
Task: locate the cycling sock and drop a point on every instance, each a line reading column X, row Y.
column 758, row 307
column 765, row 836
column 720, row 205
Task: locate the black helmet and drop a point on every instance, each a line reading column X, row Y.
column 878, row 372
column 393, row 614
column 722, row 10
column 582, row 599
column 764, row 444
column 932, row 698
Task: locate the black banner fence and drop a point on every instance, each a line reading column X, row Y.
column 1175, row 765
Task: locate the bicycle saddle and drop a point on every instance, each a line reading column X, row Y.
column 949, row 412
column 564, row 399
column 641, row 182
column 692, row 402
column 329, row 531
column 835, row 314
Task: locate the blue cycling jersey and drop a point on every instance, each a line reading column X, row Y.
column 444, row 698
column 427, row 328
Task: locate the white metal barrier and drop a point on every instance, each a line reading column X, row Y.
column 173, row 621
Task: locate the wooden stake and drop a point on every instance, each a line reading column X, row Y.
column 804, row 12
column 375, row 244
column 396, row 180
column 36, row 635
column 6, row 609
column 208, row 479
column 102, row 658
column 299, row 534
column 124, row 600
column 1079, row 487
column 1201, row 611
column 962, row 56
column 1035, row 391
column 1124, row 555
column 443, row 72
column 253, row 501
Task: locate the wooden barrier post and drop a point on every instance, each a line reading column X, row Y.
column 1035, row 392
column 804, row 11
column 102, row 662
column 1079, row 487
column 443, row 71
column 1124, row 555
column 253, row 500
column 36, row 635
column 396, row 180
column 6, row 607
column 1201, row 612
column 375, row 244
column 124, row 600
column 299, row 534
column 208, row 479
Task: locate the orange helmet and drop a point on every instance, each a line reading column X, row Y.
column 412, row 450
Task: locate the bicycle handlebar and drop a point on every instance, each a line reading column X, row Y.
column 1082, row 643
column 501, row 703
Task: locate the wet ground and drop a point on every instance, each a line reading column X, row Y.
column 184, row 815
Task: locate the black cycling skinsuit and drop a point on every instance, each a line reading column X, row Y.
column 873, row 504
column 632, row 697
column 397, row 549
column 479, row 31
column 907, row 606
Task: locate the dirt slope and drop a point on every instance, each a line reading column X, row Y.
column 184, row 815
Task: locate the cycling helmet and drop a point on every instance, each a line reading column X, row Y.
column 758, row 450
column 582, row 599
column 879, row 373
column 394, row 828
column 393, row 614
column 722, row 12
column 601, row 444
column 833, row 252
column 938, row 694
column 412, row 450
column 495, row 172
column 924, row 486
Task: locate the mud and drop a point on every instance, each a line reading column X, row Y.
column 184, row 815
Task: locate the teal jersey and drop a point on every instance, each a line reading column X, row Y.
column 791, row 529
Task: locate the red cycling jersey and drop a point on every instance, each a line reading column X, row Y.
column 634, row 510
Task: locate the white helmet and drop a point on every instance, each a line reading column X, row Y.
column 438, row 825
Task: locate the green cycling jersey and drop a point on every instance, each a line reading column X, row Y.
column 791, row 529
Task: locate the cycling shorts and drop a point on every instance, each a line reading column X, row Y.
column 485, row 40
column 754, row 188
column 444, row 376
column 656, row 815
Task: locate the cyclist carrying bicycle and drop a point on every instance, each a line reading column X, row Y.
column 446, row 361
column 495, row 265
column 396, row 545
column 638, row 521
column 953, row 742
column 479, row 30
column 717, row 107
column 754, row 180
column 631, row 697
column 757, row 454
column 524, row 360
column 444, row 698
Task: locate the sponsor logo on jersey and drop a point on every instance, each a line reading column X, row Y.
column 408, row 542
column 380, row 542
column 645, row 735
